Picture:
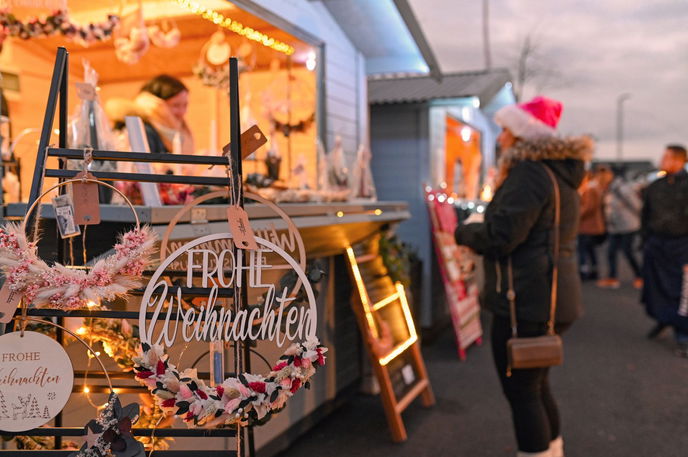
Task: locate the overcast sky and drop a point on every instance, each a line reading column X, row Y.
column 601, row 48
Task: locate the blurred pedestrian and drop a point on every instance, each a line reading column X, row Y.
column 516, row 242
column 622, row 206
column 591, row 231
column 665, row 231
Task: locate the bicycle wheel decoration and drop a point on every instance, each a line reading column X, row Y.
column 286, row 315
column 57, row 286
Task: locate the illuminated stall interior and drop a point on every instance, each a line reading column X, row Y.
column 277, row 83
column 462, row 159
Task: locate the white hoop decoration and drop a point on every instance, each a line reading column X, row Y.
column 293, row 241
column 247, row 398
column 60, row 287
column 103, row 432
column 36, row 380
column 224, row 328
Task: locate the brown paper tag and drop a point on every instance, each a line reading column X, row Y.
column 86, row 91
column 251, row 140
column 242, row 232
column 86, row 203
column 9, row 300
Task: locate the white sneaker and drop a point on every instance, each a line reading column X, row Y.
column 556, row 447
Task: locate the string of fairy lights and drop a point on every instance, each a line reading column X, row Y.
column 235, row 26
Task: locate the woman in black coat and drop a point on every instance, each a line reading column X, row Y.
column 518, row 226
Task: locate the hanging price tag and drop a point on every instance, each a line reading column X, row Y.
column 86, row 203
column 9, row 300
column 86, row 91
column 242, row 233
column 251, row 140
column 64, row 216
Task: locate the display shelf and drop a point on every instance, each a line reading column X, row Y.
column 58, row 90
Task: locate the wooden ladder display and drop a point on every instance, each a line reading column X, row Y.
column 385, row 319
column 58, row 90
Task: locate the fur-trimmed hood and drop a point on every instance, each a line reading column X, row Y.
column 565, row 156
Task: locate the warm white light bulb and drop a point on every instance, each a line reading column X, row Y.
column 311, row 61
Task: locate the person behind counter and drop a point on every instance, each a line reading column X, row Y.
column 517, row 245
column 162, row 104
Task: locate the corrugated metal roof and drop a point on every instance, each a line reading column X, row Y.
column 481, row 84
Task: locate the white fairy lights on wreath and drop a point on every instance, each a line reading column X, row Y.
column 236, row 26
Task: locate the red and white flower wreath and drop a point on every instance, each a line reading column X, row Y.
column 64, row 288
column 249, row 399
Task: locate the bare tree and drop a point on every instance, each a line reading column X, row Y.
column 533, row 66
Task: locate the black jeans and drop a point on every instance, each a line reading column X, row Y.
column 533, row 410
column 623, row 241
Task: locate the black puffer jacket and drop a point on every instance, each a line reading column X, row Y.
column 518, row 224
column 665, row 207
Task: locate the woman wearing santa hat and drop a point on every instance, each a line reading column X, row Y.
column 516, row 240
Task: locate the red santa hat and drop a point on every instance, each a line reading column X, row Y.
column 534, row 119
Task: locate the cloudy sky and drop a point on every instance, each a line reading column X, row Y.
column 599, row 49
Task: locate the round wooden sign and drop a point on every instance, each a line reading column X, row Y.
column 36, row 379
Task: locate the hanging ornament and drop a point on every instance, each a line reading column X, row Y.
column 37, row 380
column 110, row 434
column 212, row 63
column 131, row 37
column 56, row 286
column 165, row 35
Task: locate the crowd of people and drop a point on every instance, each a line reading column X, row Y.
column 610, row 211
column 648, row 223
column 547, row 208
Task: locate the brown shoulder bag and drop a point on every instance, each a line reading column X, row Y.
column 546, row 350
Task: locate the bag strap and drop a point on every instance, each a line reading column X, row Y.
column 511, row 293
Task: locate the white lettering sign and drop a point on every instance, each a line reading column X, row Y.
column 36, row 380
column 213, row 262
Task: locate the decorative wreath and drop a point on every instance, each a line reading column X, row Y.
column 60, row 287
column 287, row 129
column 246, row 400
column 56, row 22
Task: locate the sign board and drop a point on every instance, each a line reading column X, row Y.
column 456, row 266
column 225, row 268
column 36, row 379
column 139, row 143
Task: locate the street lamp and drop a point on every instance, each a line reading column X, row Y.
column 619, row 126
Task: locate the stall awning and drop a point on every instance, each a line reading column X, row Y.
column 481, row 84
column 387, row 33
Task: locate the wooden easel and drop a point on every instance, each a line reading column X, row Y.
column 395, row 350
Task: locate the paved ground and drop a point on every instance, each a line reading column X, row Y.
column 619, row 394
